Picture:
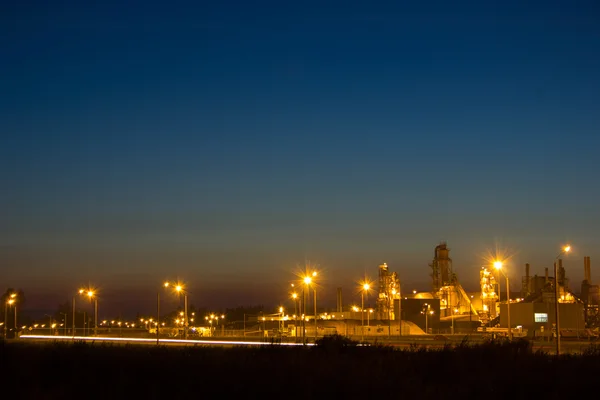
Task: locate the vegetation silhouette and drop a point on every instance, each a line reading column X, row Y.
column 335, row 366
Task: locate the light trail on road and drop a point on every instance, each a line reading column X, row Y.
column 165, row 341
column 432, row 345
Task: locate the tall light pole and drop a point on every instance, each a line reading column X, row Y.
column 399, row 310
column 5, row 319
column 92, row 295
column 498, row 266
column 281, row 324
column 185, row 311
column 16, row 329
column 179, row 289
column 565, row 250
column 314, row 274
column 165, row 285
column 9, row 302
column 81, row 293
column 365, row 289
column 295, row 297
column 73, row 301
column 391, row 310
column 13, row 302
column 50, row 327
column 426, row 310
column 157, row 316
column 453, row 310
column 307, row 281
column 65, row 325
column 470, row 312
column 303, row 313
column 430, row 312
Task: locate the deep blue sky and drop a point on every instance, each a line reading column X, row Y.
column 225, row 142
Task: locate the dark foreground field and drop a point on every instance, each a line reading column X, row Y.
column 333, row 370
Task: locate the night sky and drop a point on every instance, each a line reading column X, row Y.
column 225, row 143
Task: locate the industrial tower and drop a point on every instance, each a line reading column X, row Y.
column 441, row 267
column 453, row 298
column 489, row 296
column 388, row 291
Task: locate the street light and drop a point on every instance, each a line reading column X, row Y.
column 399, row 293
column 92, row 295
column 281, row 322
column 65, row 322
column 13, row 296
column 50, row 325
column 10, row 302
column 314, row 274
column 295, row 297
column 307, row 281
column 427, row 311
column 364, row 289
column 73, row 303
column 212, row 317
column 565, row 250
column 471, row 312
column 165, row 285
column 498, row 266
column 179, row 289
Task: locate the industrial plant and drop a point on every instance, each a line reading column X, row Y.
column 448, row 308
column 545, row 307
column 532, row 310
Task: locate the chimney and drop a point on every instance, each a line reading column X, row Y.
column 546, row 275
column 587, row 273
column 561, row 273
column 339, row 300
column 527, row 288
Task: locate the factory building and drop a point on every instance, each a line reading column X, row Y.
column 590, row 296
column 448, row 308
column 538, row 318
column 536, row 312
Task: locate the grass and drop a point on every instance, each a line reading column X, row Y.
column 335, row 368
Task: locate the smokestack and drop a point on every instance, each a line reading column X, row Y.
column 561, row 273
column 527, row 280
column 339, row 300
column 587, row 273
column 546, row 275
column 585, row 269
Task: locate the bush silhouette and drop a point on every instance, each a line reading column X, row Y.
column 336, row 367
column 334, row 343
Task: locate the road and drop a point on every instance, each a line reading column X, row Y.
column 151, row 341
column 571, row 347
